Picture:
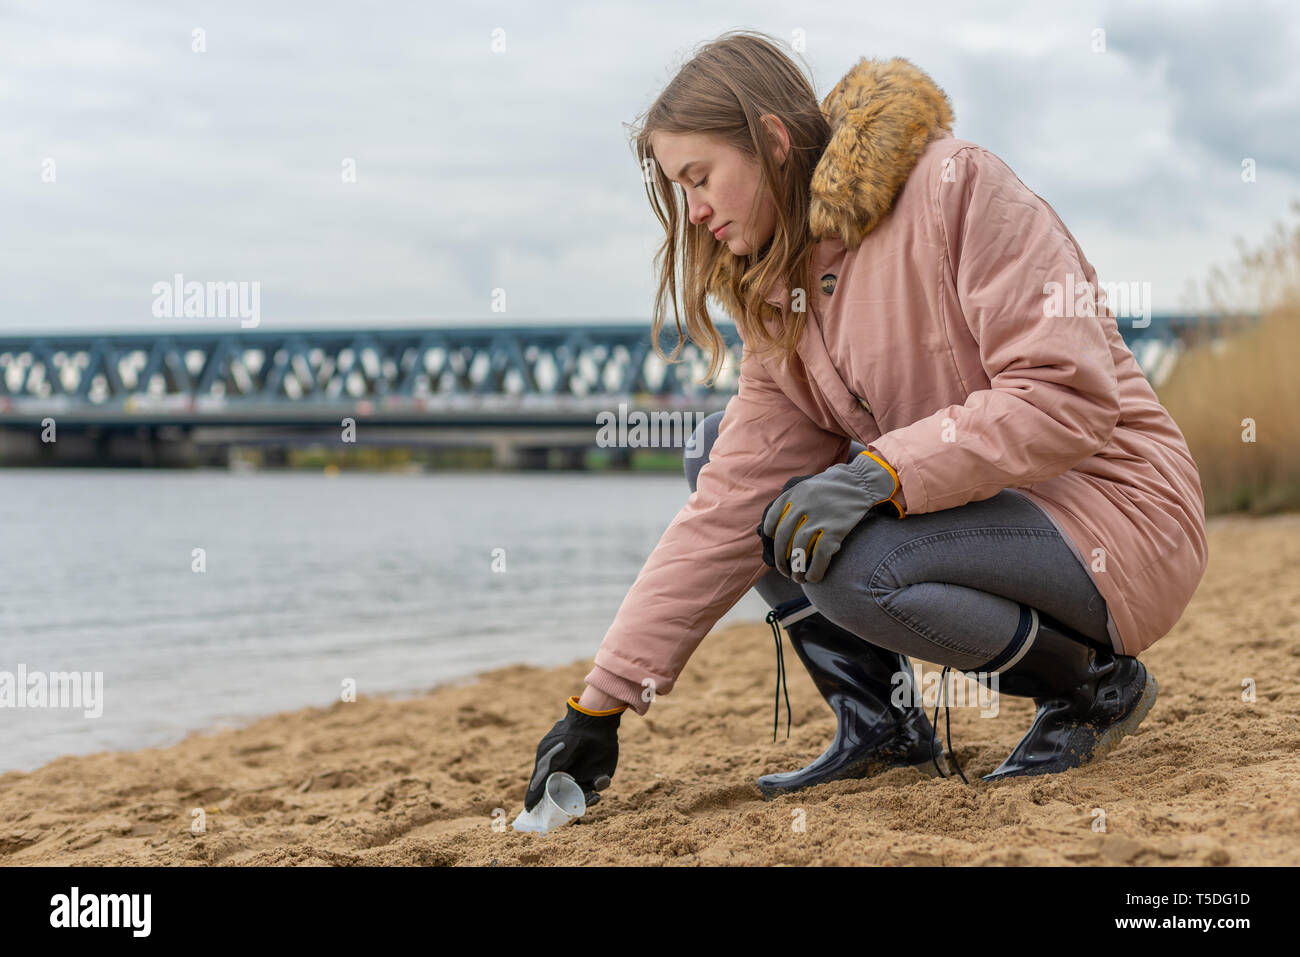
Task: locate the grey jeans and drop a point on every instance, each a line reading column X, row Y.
column 949, row 587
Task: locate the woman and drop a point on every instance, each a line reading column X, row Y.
column 938, row 454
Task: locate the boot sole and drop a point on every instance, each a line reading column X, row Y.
column 1111, row 737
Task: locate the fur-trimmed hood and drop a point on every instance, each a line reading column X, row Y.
column 882, row 115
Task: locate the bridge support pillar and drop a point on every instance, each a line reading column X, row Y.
column 505, row 454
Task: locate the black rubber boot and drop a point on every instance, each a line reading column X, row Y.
column 1088, row 698
column 857, row 679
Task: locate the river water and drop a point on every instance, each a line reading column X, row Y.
column 209, row 598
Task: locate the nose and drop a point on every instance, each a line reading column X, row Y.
column 700, row 214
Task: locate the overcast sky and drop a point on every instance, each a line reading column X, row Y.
column 478, row 170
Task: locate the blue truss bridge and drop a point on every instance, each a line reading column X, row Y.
column 185, row 397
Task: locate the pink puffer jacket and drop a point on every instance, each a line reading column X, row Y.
column 930, row 338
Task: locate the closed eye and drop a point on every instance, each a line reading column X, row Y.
column 701, row 183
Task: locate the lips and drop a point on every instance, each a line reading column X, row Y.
column 717, row 233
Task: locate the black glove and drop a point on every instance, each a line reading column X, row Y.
column 582, row 745
column 769, row 546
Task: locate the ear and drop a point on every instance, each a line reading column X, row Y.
column 778, row 131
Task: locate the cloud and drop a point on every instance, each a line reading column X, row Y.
column 478, row 170
column 1230, row 74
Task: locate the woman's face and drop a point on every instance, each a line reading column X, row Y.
column 721, row 184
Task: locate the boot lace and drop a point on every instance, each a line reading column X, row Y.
column 786, row 613
column 773, row 616
column 947, row 722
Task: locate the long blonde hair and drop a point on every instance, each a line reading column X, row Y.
column 722, row 92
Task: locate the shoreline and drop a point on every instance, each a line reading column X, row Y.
column 435, row 777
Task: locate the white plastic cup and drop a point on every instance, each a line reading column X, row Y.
column 562, row 801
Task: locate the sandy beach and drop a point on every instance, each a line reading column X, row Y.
column 1209, row 779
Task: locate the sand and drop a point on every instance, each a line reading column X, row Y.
column 1209, row 779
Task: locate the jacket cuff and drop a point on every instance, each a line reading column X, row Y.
column 896, row 497
column 893, row 451
column 616, row 686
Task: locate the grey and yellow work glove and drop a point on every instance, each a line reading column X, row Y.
column 584, row 744
column 813, row 513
